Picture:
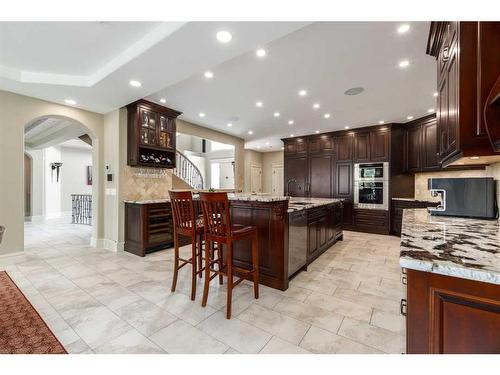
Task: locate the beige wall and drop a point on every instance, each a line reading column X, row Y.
column 185, row 127
column 268, row 160
column 422, row 193
column 16, row 111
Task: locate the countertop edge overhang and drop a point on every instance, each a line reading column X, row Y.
column 451, row 246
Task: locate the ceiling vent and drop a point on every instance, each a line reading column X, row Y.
column 354, row 91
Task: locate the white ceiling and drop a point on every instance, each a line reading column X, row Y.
column 92, row 63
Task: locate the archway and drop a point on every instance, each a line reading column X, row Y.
column 63, row 154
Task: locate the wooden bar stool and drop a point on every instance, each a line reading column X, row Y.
column 186, row 223
column 218, row 228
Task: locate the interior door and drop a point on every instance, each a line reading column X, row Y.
column 255, row 179
column 277, row 180
column 226, row 175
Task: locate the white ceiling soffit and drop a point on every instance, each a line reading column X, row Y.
column 326, row 59
column 156, row 54
column 51, row 131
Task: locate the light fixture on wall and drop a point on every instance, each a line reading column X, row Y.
column 55, row 166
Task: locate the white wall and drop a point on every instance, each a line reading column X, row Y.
column 52, row 186
column 74, row 174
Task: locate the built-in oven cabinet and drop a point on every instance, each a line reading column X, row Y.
column 371, row 221
column 371, row 194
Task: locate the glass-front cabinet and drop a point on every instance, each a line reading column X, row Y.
column 151, row 135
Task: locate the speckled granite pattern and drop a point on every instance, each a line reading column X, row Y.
column 306, row 203
column 231, row 197
column 459, row 247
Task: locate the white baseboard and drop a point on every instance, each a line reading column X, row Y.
column 106, row 243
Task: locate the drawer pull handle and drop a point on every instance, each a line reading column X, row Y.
column 403, row 279
column 402, row 307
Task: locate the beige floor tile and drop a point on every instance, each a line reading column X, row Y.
column 369, row 300
column 180, row 337
column 296, row 292
column 310, row 314
column 279, row 346
column 235, row 333
column 318, row 340
column 146, row 317
column 181, row 306
column 283, row 326
column 131, row 342
column 340, row 306
column 392, row 322
column 379, row 338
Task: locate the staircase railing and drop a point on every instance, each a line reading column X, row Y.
column 187, row 171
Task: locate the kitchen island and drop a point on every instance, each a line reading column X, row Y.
column 452, row 271
column 282, row 253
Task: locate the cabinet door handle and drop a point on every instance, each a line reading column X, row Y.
column 402, row 307
column 403, row 279
column 446, row 53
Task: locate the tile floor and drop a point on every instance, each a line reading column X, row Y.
column 97, row 301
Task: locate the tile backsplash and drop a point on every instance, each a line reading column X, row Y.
column 421, row 192
column 146, row 183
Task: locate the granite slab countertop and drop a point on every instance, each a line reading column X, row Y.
column 299, row 204
column 231, row 197
column 458, row 247
column 409, row 199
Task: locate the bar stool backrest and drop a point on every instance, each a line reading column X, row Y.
column 216, row 214
column 183, row 210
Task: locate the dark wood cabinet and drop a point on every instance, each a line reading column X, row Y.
column 151, row 134
column 450, row 315
column 324, row 228
column 320, row 176
column 362, row 147
column 343, row 180
column 379, row 145
column 468, row 69
column 148, row 227
column 296, row 146
column 320, row 144
column 421, row 145
column 344, row 146
column 371, row 221
column 296, row 176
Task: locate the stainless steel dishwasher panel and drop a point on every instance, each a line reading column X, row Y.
column 297, row 241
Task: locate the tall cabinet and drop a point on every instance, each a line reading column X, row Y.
column 322, row 166
column 468, row 86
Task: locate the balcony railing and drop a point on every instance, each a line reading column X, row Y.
column 81, row 209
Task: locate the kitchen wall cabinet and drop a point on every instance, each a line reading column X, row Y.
column 151, row 134
column 296, row 146
column 421, row 145
column 344, row 146
column 468, row 68
column 362, row 147
column 379, row 145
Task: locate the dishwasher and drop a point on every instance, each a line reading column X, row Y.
column 297, row 241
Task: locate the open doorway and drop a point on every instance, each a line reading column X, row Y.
column 58, row 172
column 212, row 161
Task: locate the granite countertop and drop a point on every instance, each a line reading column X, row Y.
column 410, row 200
column 231, row 197
column 309, row 203
column 148, row 201
column 458, row 247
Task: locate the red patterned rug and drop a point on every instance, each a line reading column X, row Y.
column 22, row 330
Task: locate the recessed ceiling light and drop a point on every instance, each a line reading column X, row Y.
column 70, row 101
column 224, row 36
column 317, row 131
column 250, row 132
column 381, row 122
column 410, row 117
column 435, row 94
column 354, row 91
column 403, row 28
column 316, row 105
column 282, row 147
column 208, row 74
column 258, row 147
column 259, row 104
column 276, row 114
column 346, row 127
column 201, row 114
column 474, row 157
column 163, row 100
column 430, row 110
column 267, row 143
column 302, row 92
column 290, row 122
column 261, row 52
column 177, row 134
column 326, row 115
column 292, row 135
column 404, row 63
column 229, row 125
column 135, row 83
